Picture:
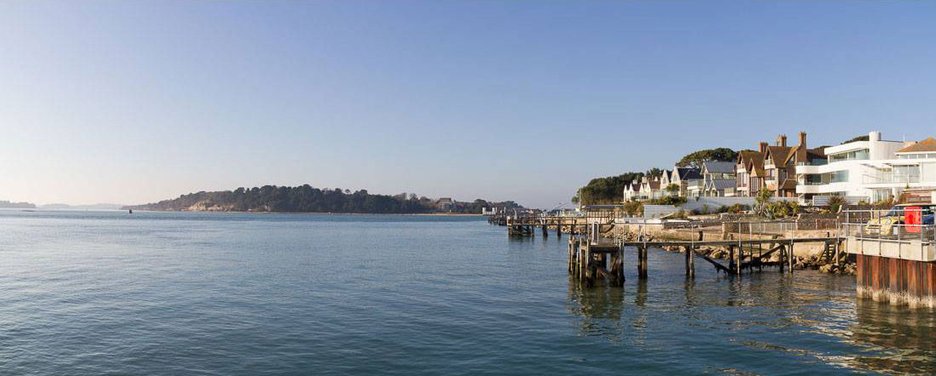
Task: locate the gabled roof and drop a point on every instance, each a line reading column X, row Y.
column 718, row 167
column 788, row 185
column 688, row 173
column 778, row 153
column 927, row 145
column 724, row 183
column 803, row 158
column 753, row 161
column 757, row 165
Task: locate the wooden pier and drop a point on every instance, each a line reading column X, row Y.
column 527, row 225
column 592, row 258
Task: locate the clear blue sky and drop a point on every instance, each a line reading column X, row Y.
column 136, row 101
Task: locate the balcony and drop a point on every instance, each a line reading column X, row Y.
column 890, row 178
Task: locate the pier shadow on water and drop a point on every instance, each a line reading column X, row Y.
column 730, row 324
column 600, row 309
column 900, row 339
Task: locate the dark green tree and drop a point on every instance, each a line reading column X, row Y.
column 696, row 158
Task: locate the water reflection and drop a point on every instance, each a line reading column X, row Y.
column 805, row 318
column 640, row 299
column 600, row 308
column 901, row 339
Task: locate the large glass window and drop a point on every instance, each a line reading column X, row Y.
column 906, row 174
column 862, row 154
column 814, row 179
column 917, row 156
column 827, row 178
column 838, row 177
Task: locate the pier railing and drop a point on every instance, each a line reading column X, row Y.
column 886, row 233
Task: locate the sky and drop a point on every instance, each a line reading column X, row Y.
column 134, row 101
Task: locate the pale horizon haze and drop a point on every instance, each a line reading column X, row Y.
column 139, row 101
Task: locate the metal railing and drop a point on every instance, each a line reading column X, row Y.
column 866, row 215
column 889, row 232
column 886, row 233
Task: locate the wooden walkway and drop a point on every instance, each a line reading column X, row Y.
column 526, row 226
column 592, row 258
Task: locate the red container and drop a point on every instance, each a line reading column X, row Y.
column 913, row 218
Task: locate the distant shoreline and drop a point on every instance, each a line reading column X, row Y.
column 284, row 212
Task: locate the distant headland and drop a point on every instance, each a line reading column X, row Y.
column 307, row 199
column 16, row 205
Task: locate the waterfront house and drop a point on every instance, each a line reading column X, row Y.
column 632, row 191
column 650, row 188
column 775, row 168
column 665, row 180
column 718, row 180
column 687, row 178
column 870, row 169
column 749, row 171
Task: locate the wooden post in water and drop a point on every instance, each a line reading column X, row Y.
column 620, row 266
column 740, row 262
column 571, row 258
column 782, row 255
column 836, row 250
column 731, row 258
column 690, row 261
column 792, row 256
column 642, row 262
column 588, row 265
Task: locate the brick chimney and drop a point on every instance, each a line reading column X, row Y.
column 781, row 140
column 763, row 147
column 802, row 140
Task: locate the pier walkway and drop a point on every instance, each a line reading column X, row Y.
column 592, row 258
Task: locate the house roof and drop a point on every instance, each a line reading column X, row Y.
column 788, row 184
column 779, row 154
column 802, row 158
column 816, row 153
column 718, row 167
column 688, row 173
column 756, row 163
column 753, row 162
column 927, row 145
column 724, row 183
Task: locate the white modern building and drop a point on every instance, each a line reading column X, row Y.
column 869, row 170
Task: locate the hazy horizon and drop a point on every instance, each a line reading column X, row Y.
column 137, row 102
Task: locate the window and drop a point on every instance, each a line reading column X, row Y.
column 839, row 176
column 814, row 179
column 906, row 174
column 917, row 156
column 862, row 154
column 828, row 178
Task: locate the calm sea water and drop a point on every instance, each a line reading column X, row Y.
column 90, row 293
